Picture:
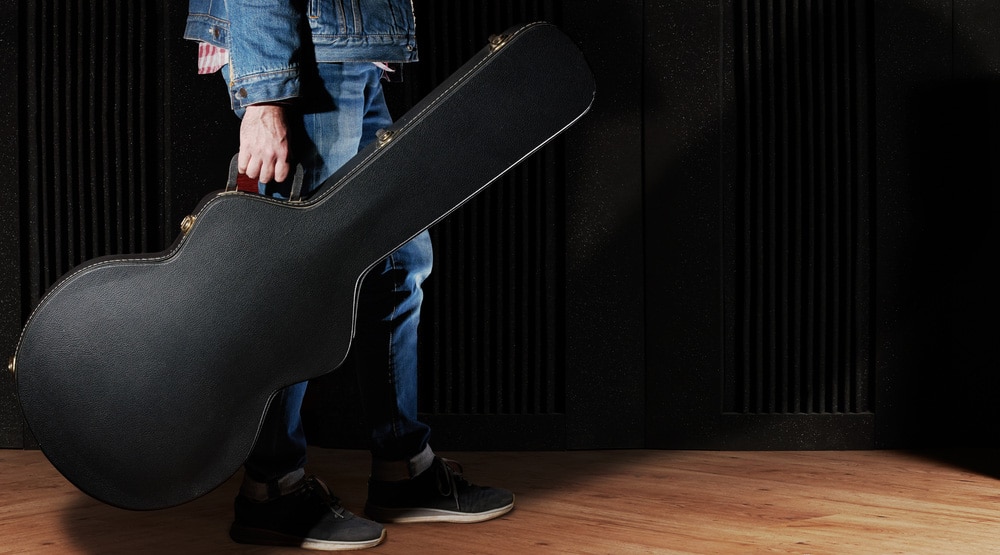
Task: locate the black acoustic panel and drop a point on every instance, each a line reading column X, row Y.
column 495, row 307
column 801, row 250
column 89, row 117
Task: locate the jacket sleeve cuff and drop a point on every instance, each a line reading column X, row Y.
column 275, row 86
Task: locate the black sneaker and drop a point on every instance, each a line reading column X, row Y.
column 308, row 517
column 438, row 494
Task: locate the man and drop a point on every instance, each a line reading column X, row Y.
column 303, row 78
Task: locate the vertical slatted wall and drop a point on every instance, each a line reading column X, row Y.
column 90, row 113
column 800, row 297
column 491, row 339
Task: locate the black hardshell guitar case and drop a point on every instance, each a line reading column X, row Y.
column 138, row 375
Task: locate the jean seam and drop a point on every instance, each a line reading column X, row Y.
column 396, row 286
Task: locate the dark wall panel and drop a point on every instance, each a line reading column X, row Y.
column 688, row 125
column 10, row 220
column 605, row 288
column 937, row 75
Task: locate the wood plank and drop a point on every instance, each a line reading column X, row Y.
column 591, row 502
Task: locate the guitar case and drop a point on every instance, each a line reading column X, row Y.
column 140, row 376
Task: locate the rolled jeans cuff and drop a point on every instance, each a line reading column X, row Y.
column 264, row 491
column 394, row 471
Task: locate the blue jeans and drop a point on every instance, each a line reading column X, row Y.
column 341, row 109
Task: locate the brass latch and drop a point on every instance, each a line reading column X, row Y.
column 10, row 365
column 383, row 136
column 497, row 41
column 187, row 223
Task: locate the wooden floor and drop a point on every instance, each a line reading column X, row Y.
column 701, row 502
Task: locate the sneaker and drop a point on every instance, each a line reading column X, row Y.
column 308, row 517
column 438, row 494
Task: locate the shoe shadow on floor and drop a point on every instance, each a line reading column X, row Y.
column 202, row 525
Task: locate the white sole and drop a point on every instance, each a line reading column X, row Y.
column 402, row 516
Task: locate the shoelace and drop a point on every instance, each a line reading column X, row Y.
column 314, row 486
column 448, row 477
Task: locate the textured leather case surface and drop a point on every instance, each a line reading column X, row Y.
column 145, row 378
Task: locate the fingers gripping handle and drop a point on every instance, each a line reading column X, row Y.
column 234, row 173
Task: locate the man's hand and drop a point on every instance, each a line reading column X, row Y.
column 264, row 148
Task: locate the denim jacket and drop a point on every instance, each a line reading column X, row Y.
column 268, row 40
